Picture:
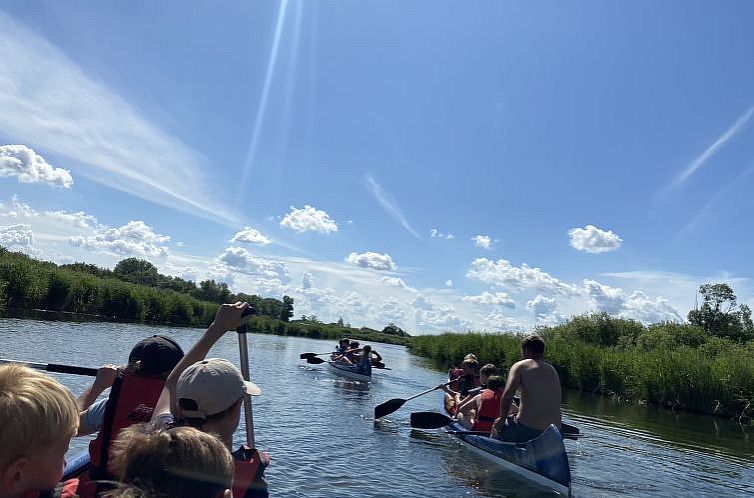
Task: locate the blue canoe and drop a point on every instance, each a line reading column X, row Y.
column 543, row 460
column 349, row 371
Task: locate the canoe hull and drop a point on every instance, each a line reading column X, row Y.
column 543, row 460
column 345, row 371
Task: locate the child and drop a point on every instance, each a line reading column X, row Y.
column 178, row 463
column 459, row 391
column 38, row 417
column 485, row 373
column 487, row 404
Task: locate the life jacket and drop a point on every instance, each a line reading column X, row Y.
column 132, row 400
column 466, row 383
column 250, row 465
column 489, row 410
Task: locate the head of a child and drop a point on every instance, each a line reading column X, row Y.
column 173, row 463
column 470, row 367
column 496, row 383
column 154, row 357
column 209, row 396
column 486, row 372
column 354, row 345
column 38, row 418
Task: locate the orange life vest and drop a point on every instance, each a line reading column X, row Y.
column 132, row 400
column 489, row 410
column 248, row 481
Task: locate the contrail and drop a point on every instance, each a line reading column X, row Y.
column 389, row 205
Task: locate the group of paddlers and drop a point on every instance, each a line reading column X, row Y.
column 165, row 430
column 360, row 359
column 483, row 400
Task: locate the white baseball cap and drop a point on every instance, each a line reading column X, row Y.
column 213, row 385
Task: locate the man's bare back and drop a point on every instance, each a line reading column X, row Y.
column 539, row 386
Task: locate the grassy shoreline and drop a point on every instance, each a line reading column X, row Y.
column 716, row 377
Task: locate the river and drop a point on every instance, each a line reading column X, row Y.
column 319, row 429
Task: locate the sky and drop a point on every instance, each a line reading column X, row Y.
column 441, row 165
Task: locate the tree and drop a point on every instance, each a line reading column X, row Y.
column 393, row 329
column 137, row 271
column 340, row 322
column 287, row 311
column 721, row 315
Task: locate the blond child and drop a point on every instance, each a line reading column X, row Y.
column 38, row 418
column 182, row 462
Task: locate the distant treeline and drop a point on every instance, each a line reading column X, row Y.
column 313, row 329
column 132, row 291
column 685, row 366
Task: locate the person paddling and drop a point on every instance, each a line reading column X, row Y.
column 207, row 394
column 540, row 389
column 486, row 404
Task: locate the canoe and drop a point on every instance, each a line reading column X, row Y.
column 76, row 466
column 348, row 371
column 543, row 460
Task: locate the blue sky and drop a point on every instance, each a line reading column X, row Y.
column 441, row 165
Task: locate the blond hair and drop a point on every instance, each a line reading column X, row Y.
column 36, row 412
column 174, row 463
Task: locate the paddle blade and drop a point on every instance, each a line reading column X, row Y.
column 388, row 407
column 304, row 356
column 378, row 364
column 429, row 420
column 569, row 429
column 314, row 360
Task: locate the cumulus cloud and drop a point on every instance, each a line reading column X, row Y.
column 422, row 303
column 17, row 237
column 541, row 305
column 135, row 238
column 448, row 283
column 78, row 219
column 392, row 309
column 487, row 298
column 484, row 241
column 498, row 321
column 503, row 274
column 251, row 236
column 636, row 305
column 307, row 282
column 17, row 209
column 372, row 260
column 593, row 240
column 309, row 219
column 241, row 260
column 436, row 234
column 29, row 167
column 441, row 318
column 394, row 282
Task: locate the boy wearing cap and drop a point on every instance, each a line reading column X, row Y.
column 207, row 394
column 134, row 394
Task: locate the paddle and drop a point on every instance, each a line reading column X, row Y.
column 243, row 349
column 434, row 420
column 315, row 361
column 54, row 367
column 392, row 405
column 304, row 356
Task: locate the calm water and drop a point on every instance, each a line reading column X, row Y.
column 319, row 431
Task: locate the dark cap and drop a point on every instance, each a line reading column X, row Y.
column 157, row 355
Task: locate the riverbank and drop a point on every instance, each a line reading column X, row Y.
column 656, row 365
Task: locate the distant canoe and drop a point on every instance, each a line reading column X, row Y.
column 349, row 371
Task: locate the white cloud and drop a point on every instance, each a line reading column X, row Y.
column 17, row 237
column 541, row 305
column 17, row 209
column 436, row 234
column 422, row 303
column 394, row 282
column 29, row 167
column 501, row 273
column 389, row 205
column 637, row 305
column 448, row 283
column 78, row 219
column 307, row 282
column 251, row 236
column 499, row 322
column 443, row 318
column 241, row 260
column 135, row 238
column 484, row 241
column 372, row 260
column 593, row 240
column 487, row 298
column 392, row 309
column 46, row 98
column 309, row 219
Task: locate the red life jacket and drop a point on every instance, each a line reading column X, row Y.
column 248, row 481
column 132, row 400
column 489, row 410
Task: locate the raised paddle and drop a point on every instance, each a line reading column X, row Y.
column 434, row 420
column 54, row 367
column 392, row 405
column 243, row 350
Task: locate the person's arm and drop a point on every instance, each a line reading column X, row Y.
column 468, row 401
column 228, row 318
column 448, row 390
column 104, row 379
column 377, row 355
column 514, row 381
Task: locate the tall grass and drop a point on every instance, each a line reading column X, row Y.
column 629, row 363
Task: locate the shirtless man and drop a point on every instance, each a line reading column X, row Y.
column 540, row 395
